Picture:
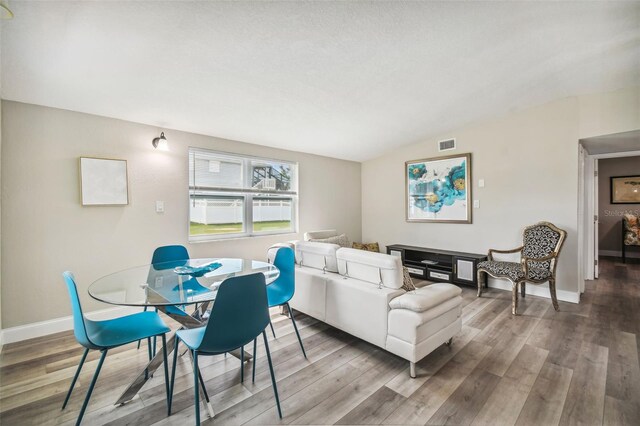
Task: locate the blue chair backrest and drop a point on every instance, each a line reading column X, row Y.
column 176, row 255
column 239, row 314
column 285, row 261
column 79, row 327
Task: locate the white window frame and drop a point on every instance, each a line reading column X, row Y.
column 246, row 193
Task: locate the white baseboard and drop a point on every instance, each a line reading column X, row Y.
column 635, row 254
column 43, row 328
column 538, row 290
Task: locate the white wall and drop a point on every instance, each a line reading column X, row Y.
column 529, row 161
column 47, row 231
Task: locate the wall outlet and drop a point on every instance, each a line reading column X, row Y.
column 476, row 204
column 481, row 183
column 159, row 206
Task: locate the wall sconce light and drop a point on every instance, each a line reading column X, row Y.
column 161, row 143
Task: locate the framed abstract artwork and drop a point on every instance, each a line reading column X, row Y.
column 625, row 189
column 438, row 189
column 103, row 182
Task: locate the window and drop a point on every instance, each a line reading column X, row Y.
column 236, row 196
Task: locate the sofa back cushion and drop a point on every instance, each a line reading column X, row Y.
column 318, row 235
column 317, row 255
column 371, row 267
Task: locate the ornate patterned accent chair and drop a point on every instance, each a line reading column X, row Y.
column 630, row 233
column 541, row 245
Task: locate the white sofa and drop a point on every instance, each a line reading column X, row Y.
column 360, row 292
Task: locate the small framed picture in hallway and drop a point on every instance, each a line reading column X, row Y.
column 625, row 190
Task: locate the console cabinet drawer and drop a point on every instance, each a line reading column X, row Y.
column 436, row 275
column 417, row 272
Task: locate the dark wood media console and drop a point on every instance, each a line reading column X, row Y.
column 439, row 265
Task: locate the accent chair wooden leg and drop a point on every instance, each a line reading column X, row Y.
column 514, row 299
column 412, row 369
column 522, row 289
column 479, row 283
column 552, row 290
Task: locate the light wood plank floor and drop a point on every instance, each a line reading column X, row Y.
column 579, row 365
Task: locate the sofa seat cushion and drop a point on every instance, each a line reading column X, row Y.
column 317, row 255
column 374, row 268
column 415, row 327
column 425, row 298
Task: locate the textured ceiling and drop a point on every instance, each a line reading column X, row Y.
column 349, row 80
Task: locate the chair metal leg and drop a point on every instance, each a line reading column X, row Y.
column 273, row 377
column 146, row 371
column 153, row 347
column 255, row 351
column 144, row 310
column 552, row 290
column 295, row 327
column 173, row 372
column 514, row 299
column 196, row 381
column 204, row 389
column 242, row 364
column 91, row 386
column 75, row 378
column 166, row 371
column 272, row 330
column 522, row 289
column 479, row 279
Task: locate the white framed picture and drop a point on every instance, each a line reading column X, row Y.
column 439, row 189
column 103, row 182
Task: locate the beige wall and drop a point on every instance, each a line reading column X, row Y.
column 610, row 215
column 47, row 231
column 0, row 224
column 529, row 161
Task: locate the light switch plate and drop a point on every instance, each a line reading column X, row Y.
column 159, row 206
column 476, row 204
column 481, row 183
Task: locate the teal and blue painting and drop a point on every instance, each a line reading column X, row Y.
column 438, row 189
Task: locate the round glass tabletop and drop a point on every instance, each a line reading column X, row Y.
column 174, row 283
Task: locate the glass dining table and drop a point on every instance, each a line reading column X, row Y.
column 183, row 290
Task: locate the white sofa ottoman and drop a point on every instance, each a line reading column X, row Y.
column 421, row 320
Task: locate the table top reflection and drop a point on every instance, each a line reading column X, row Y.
column 174, row 283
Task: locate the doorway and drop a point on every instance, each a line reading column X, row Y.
column 599, row 221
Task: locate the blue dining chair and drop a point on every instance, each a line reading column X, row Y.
column 282, row 289
column 239, row 315
column 109, row 334
column 167, row 257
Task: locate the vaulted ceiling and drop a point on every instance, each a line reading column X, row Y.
column 346, row 79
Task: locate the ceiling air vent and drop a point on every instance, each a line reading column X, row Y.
column 447, row 145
